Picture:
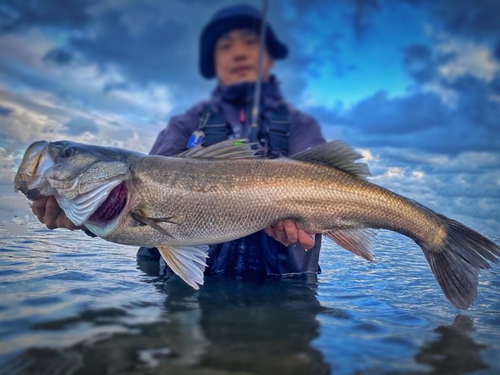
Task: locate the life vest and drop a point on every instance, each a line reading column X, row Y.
column 214, row 128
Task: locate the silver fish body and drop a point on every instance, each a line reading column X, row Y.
column 224, row 192
column 212, row 201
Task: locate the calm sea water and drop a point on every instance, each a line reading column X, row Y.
column 70, row 304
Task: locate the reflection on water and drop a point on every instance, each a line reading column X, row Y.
column 259, row 327
column 80, row 310
column 454, row 351
column 229, row 326
column 264, row 329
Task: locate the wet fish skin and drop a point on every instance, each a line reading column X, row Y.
column 223, row 192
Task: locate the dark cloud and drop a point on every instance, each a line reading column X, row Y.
column 495, row 85
column 112, row 43
column 81, row 125
column 478, row 19
column 359, row 12
column 5, row 111
column 422, row 63
column 328, row 117
column 421, row 121
column 362, row 15
column 496, row 51
column 164, row 51
column 18, row 15
column 380, row 115
column 418, row 63
column 475, row 108
column 58, row 56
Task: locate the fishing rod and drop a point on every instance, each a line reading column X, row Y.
column 254, row 127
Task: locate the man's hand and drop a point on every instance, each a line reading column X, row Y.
column 49, row 213
column 287, row 233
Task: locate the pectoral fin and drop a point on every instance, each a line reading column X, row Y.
column 188, row 262
column 357, row 241
column 152, row 222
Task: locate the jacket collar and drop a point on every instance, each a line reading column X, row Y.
column 242, row 93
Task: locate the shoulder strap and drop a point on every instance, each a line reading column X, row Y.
column 214, row 126
column 279, row 120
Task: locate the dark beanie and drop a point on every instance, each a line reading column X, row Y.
column 230, row 18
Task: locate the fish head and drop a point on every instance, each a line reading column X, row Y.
column 81, row 177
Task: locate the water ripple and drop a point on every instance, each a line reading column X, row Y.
column 73, row 305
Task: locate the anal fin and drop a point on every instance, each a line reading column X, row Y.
column 357, row 241
column 188, row 262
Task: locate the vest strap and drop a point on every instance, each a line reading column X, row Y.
column 279, row 129
column 214, row 126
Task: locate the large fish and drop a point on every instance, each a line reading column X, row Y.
column 227, row 191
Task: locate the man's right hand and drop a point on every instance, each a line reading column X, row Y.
column 49, row 213
column 287, row 233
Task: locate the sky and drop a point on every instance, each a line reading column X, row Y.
column 413, row 85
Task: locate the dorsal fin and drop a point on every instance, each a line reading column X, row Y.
column 337, row 155
column 230, row 149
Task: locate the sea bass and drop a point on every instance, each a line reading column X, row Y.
column 209, row 195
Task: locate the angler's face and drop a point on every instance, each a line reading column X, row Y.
column 236, row 57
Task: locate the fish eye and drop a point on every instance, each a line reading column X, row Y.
column 67, row 152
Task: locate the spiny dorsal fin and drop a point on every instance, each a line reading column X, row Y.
column 337, row 155
column 230, row 149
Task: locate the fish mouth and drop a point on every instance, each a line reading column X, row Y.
column 112, row 206
column 28, row 174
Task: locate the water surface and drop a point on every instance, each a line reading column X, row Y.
column 71, row 304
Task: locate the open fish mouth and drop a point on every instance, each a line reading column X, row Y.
column 114, row 204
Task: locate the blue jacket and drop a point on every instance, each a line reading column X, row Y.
column 257, row 253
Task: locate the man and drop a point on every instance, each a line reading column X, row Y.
column 229, row 49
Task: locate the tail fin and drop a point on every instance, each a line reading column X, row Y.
column 457, row 262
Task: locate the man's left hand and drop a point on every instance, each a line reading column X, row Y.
column 287, row 233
